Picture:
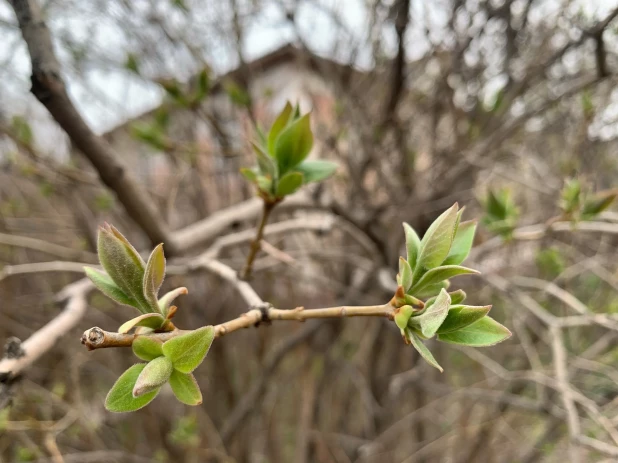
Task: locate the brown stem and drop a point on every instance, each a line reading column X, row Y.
column 96, row 338
column 256, row 244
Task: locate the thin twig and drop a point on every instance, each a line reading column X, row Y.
column 96, row 338
column 256, row 244
column 47, row 247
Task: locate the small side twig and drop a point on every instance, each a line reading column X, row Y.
column 256, row 244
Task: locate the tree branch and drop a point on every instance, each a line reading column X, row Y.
column 49, row 88
column 256, row 244
column 96, row 338
column 42, row 340
column 47, row 247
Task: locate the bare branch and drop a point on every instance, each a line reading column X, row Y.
column 96, row 338
column 47, row 247
column 42, row 340
column 40, row 267
column 49, row 88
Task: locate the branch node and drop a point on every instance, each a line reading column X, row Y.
column 13, row 349
column 264, row 316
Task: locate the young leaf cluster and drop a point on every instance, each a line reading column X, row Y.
column 425, row 273
column 282, row 167
column 578, row 203
column 130, row 281
column 500, row 212
column 171, row 362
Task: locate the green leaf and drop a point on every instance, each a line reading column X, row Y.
column 462, row 243
column 147, row 348
column 316, row 171
column 120, row 397
column 294, row 144
column 436, row 243
column 431, row 319
column 495, row 206
column 187, row 351
column 166, row 300
column 280, row 123
column 432, row 290
column 484, row 332
column 237, row 93
column 107, row 286
column 422, row 349
column 570, row 196
column 597, row 204
column 149, row 320
column 403, row 316
column 153, row 276
column 185, row 388
column 460, row 316
column 266, row 163
column 154, row 375
column 289, row 184
column 264, row 184
column 22, row 130
column 123, row 264
column 457, row 297
column 250, row 174
column 413, row 244
column 438, row 274
column 203, row 84
column 132, row 63
column 405, row 274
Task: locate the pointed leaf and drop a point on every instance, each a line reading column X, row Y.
column 460, row 316
column 122, row 264
column 149, row 320
column 185, row 388
column 462, row 244
column 153, row 276
column 413, row 244
column 438, row 274
column 294, row 144
column 168, row 298
column 120, row 397
column 154, row 375
column 187, row 351
column 457, row 297
column 431, row 319
column 405, row 274
column 432, row 290
column 495, row 206
column 280, row 123
column 137, row 259
column 147, row 348
column 266, row 163
column 250, row 174
column 436, row 243
column 289, row 184
column 316, row 171
column 417, row 342
column 484, row 332
column 107, row 286
column 598, row 203
column 264, row 184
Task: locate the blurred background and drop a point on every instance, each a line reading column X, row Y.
column 494, row 104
